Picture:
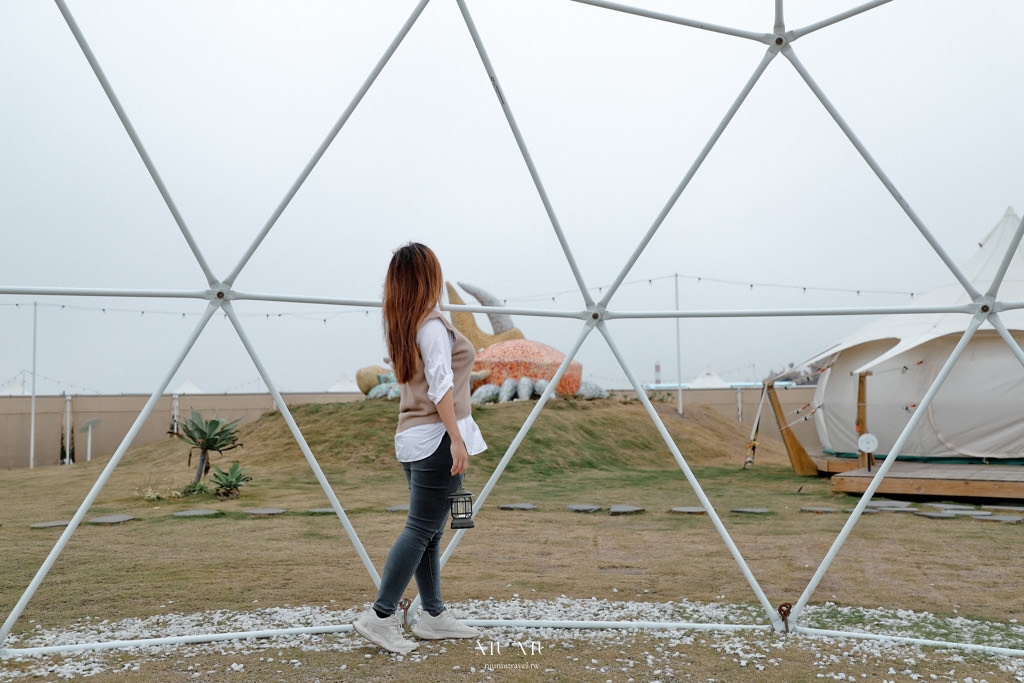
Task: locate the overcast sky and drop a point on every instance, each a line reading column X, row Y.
column 231, row 100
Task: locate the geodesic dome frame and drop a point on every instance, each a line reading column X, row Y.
column 220, row 294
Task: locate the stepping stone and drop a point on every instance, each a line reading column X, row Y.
column 972, row 513
column 396, row 508
column 198, row 513
column 689, row 511
column 49, row 525
column 517, row 506
column 583, row 507
column 324, row 511
column 888, row 504
column 936, row 515
column 1007, row 508
column 620, row 509
column 951, row 506
column 889, row 509
column 751, row 511
column 820, row 511
column 266, row 511
column 867, row 511
column 1009, row 519
column 111, row 519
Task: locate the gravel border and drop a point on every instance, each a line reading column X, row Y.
column 760, row 650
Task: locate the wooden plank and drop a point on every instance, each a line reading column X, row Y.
column 937, row 479
column 828, row 464
column 798, row 457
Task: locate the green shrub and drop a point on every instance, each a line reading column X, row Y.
column 226, row 484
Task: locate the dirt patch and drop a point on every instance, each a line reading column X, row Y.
column 157, row 563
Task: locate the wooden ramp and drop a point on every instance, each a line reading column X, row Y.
column 937, row 479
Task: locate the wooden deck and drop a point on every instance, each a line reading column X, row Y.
column 829, row 464
column 1004, row 482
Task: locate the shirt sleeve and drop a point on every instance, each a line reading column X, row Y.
column 435, row 342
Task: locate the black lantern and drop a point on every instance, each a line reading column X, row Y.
column 462, row 508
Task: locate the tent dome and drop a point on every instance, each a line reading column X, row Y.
column 976, row 413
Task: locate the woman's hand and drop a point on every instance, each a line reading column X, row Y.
column 460, row 458
column 446, row 409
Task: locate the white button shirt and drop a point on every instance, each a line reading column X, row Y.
column 419, row 442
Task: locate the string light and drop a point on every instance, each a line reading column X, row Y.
column 184, row 314
column 545, row 296
column 700, row 279
column 76, row 388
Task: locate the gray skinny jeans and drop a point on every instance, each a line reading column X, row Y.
column 416, row 551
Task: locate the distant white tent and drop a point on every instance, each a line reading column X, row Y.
column 709, row 380
column 344, row 385
column 977, row 412
column 13, row 387
column 188, row 387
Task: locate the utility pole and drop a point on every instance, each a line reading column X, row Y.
column 32, row 417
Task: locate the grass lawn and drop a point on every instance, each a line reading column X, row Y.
column 598, row 452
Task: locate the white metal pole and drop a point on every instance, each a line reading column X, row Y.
column 126, row 293
column 322, row 149
column 32, row 407
column 793, row 35
column 174, row 640
column 682, row 21
column 175, row 414
column 303, row 446
column 102, row 480
column 525, row 152
column 997, row 281
column 924, row 642
column 343, row 628
column 514, row 446
column 692, row 171
column 692, row 479
column 1004, row 265
column 887, row 464
column 134, row 136
column 520, row 436
column 967, row 309
column 679, row 357
column 67, row 428
column 1007, row 336
column 964, row 281
column 88, row 446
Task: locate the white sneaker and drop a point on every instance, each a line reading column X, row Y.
column 441, row 627
column 387, row 633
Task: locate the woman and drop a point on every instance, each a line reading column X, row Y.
column 435, row 437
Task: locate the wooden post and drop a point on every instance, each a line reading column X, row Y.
column 798, row 458
column 864, row 459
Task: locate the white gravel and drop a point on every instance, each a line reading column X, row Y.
column 759, row 650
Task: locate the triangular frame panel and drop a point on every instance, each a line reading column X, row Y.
column 985, row 307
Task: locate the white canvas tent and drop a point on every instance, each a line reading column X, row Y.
column 13, row 387
column 976, row 414
column 188, row 387
column 709, row 379
column 344, row 385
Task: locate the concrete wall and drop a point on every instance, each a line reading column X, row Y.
column 118, row 413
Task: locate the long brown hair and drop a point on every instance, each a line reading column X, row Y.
column 411, row 289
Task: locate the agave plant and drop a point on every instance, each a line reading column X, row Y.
column 207, row 435
column 226, row 484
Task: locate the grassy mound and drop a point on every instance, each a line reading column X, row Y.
column 568, row 434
